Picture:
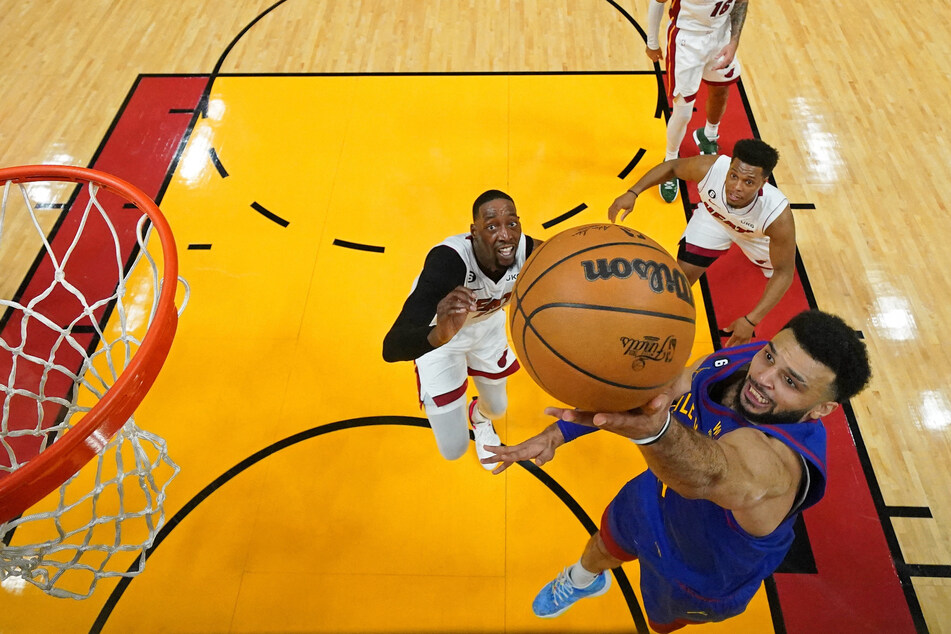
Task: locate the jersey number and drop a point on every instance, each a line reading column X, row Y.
column 720, row 8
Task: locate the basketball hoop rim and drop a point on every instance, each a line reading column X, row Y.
column 40, row 476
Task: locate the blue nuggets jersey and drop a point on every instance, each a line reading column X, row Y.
column 696, row 543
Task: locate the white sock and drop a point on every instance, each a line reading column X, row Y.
column 712, row 131
column 478, row 418
column 580, row 577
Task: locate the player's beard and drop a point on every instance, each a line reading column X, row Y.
column 774, row 417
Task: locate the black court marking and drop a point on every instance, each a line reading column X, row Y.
column 623, row 583
column 802, row 206
column 909, row 511
column 39, row 206
column 130, row 206
column 568, row 214
column 934, row 571
column 84, row 330
column 217, row 163
column 269, row 215
column 356, row 245
column 181, row 111
column 630, row 166
column 199, row 247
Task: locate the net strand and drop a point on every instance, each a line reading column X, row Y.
column 113, row 508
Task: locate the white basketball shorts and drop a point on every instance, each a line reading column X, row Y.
column 479, row 349
column 708, row 237
column 691, row 56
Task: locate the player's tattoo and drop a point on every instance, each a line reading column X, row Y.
column 737, row 18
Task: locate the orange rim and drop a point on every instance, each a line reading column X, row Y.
column 40, row 476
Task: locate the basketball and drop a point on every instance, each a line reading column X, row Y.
column 602, row 317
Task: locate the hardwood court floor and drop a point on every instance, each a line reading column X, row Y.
column 344, row 531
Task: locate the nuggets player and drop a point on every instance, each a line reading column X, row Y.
column 739, row 442
column 702, row 39
column 453, row 325
column 736, row 205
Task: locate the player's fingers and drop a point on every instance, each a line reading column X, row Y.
column 502, row 467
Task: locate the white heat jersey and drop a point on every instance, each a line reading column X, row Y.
column 490, row 296
column 704, row 16
column 748, row 222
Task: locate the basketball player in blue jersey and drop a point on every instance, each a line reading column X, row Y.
column 737, row 205
column 453, row 326
column 735, row 449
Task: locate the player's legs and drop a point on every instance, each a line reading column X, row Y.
column 449, row 426
column 718, row 92
column 684, row 71
column 680, row 114
column 442, row 379
column 493, row 397
column 490, row 362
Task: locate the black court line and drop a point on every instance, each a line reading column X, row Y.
column 181, row 111
column 217, row 163
column 84, row 330
column 129, row 206
column 934, row 571
column 623, row 583
column 630, row 166
column 356, row 245
column 802, row 206
column 565, row 216
column 199, row 247
column 909, row 511
column 39, row 206
column 269, row 215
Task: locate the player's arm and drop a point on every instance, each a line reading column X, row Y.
column 745, row 471
column 655, row 13
column 572, row 424
column 692, row 168
column 782, row 254
column 737, row 20
column 411, row 335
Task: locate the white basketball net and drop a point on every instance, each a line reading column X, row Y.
column 102, row 520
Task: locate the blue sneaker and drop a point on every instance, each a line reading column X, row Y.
column 560, row 594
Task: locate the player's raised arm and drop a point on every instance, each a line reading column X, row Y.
column 692, row 169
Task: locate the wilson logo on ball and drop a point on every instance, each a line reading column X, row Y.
column 649, row 349
column 657, row 274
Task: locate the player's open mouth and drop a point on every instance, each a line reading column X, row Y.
column 754, row 396
column 506, row 251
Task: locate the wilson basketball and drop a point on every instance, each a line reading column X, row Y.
column 602, row 317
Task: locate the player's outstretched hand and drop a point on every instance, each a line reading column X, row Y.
column 741, row 331
column 539, row 448
column 642, row 422
column 623, row 204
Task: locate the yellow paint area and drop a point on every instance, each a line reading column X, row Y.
column 367, row 528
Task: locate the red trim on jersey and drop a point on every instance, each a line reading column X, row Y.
column 729, row 82
column 512, row 369
column 672, row 31
column 449, row 397
column 610, row 544
column 707, row 253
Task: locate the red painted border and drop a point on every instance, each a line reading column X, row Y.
column 857, row 588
